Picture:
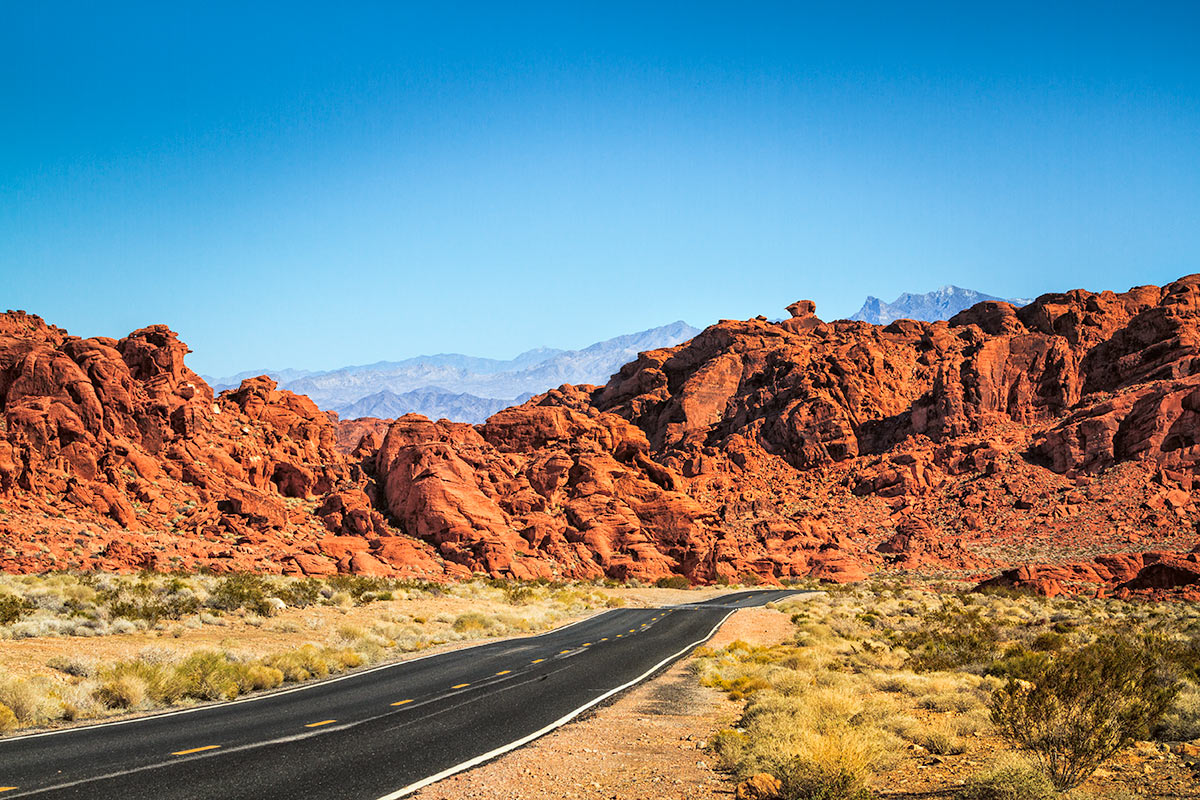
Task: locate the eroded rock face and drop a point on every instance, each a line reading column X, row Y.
column 773, row 449
column 122, row 437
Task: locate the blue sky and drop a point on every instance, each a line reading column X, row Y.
column 314, row 185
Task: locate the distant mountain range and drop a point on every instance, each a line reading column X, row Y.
column 460, row 387
column 941, row 303
column 434, row 402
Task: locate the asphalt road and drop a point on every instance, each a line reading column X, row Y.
column 377, row 733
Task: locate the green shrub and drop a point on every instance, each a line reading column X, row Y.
column 12, row 608
column 673, row 582
column 242, row 590
column 1084, row 706
column 301, row 593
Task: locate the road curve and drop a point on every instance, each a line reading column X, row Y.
column 377, row 733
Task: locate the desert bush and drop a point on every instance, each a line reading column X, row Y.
column 161, row 684
column 1181, row 723
column 940, row 738
column 834, row 766
column 1085, row 705
column 300, row 664
column 673, row 582
column 12, row 608
column 242, row 590
column 120, row 692
column 472, row 622
column 300, row 593
column 8, row 719
column 951, row 637
column 77, row 667
column 28, row 699
column 208, row 675
column 1011, row 780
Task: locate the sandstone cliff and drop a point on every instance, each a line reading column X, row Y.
column 1056, row 432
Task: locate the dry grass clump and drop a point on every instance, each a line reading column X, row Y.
column 8, row 719
column 1011, row 779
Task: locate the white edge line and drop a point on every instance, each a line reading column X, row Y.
column 304, row 686
column 558, row 723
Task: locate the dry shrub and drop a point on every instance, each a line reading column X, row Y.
column 161, row 683
column 255, row 677
column 837, row 765
column 300, row 664
column 8, row 719
column 120, row 692
column 1012, row 779
column 473, row 622
column 28, row 699
column 1181, row 723
column 940, row 737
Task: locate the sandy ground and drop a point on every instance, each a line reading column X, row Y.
column 649, row 744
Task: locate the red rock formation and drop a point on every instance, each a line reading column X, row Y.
column 1039, row 435
column 121, row 436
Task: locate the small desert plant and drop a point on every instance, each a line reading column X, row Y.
column 242, row 590
column 12, row 608
column 1084, row 706
column 120, row 692
column 8, row 720
column 1013, row 780
column 673, row 582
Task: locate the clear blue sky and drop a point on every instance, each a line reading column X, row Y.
column 314, row 185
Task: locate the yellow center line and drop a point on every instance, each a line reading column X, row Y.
column 587, row 644
column 319, row 724
column 619, row 635
column 195, row 750
column 537, row 661
column 9, row 788
column 504, row 672
column 605, row 639
column 631, row 630
column 560, row 652
column 460, row 686
column 402, row 703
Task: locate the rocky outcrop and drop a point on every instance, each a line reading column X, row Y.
column 121, row 436
column 1030, row 437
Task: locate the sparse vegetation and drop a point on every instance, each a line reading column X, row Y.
column 881, row 671
column 1077, row 710
column 294, row 612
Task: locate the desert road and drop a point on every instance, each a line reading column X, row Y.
column 373, row 734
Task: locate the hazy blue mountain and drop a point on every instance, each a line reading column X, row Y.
column 434, row 402
column 437, row 380
column 941, row 303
